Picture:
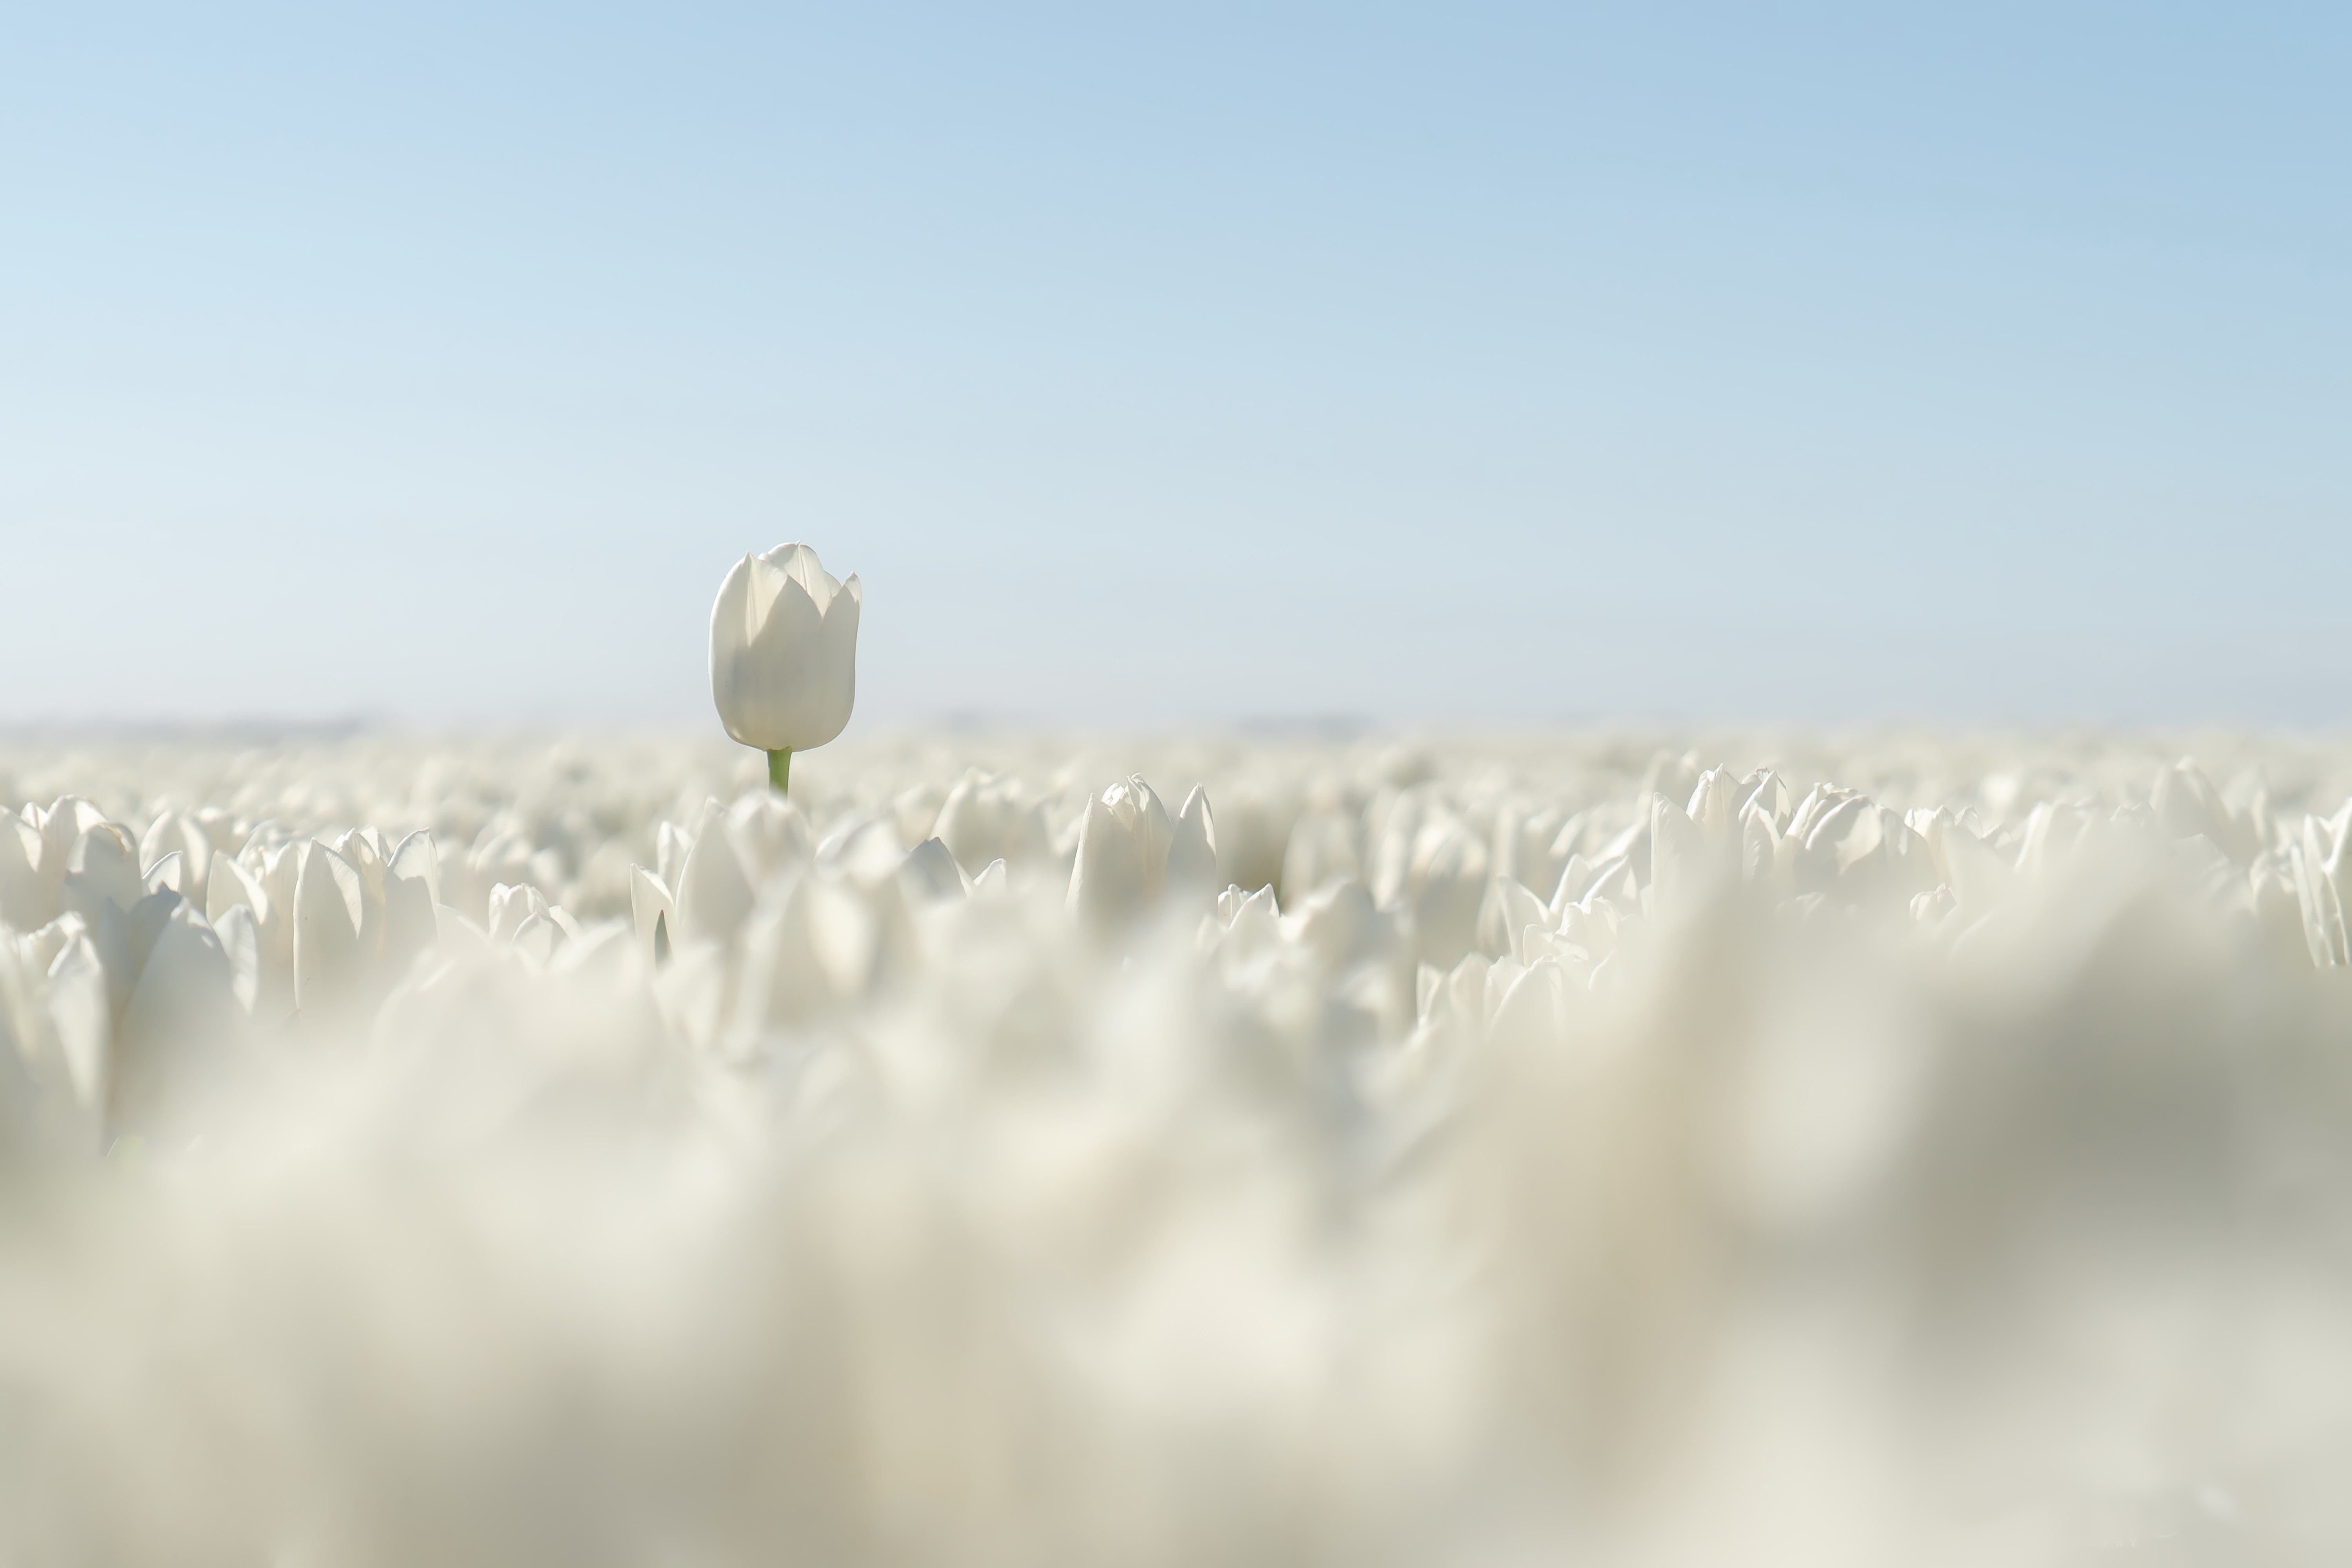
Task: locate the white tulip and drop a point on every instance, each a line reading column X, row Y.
column 713, row 892
column 1122, row 859
column 784, row 653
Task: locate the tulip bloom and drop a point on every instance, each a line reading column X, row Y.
column 1126, row 842
column 784, row 653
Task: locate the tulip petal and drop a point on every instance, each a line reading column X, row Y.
column 23, row 902
column 231, row 885
column 650, row 905
column 762, row 687
column 713, row 894
column 78, row 1005
column 1107, row 884
column 179, row 1015
column 240, row 939
column 328, row 905
column 1192, row 850
column 799, row 562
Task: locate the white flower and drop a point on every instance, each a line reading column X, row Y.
column 1122, row 860
column 783, row 650
column 1129, row 854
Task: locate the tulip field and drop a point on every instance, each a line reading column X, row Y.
column 1702, row 1149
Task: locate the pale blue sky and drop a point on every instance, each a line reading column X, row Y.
column 1169, row 364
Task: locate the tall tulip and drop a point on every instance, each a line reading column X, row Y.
column 783, row 653
column 1122, row 860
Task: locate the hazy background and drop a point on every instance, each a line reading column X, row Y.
column 1167, row 365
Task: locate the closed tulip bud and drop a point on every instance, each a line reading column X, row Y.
column 1122, row 860
column 784, row 653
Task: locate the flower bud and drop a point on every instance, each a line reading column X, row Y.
column 783, row 650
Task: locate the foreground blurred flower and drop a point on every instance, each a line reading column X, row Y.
column 784, row 653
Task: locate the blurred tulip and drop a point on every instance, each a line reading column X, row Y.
column 1123, row 844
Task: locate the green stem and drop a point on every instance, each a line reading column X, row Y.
column 779, row 768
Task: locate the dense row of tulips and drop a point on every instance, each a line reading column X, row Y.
column 1893, row 1151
